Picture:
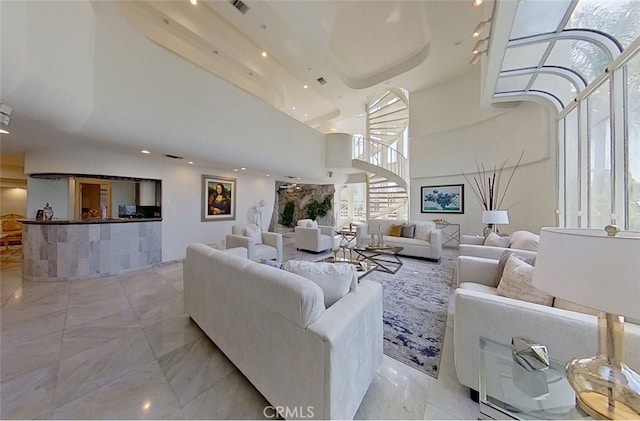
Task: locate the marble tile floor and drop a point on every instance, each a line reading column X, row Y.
column 122, row 347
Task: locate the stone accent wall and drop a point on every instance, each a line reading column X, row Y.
column 301, row 198
column 82, row 251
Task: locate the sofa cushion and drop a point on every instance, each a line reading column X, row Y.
column 503, row 261
column 516, row 282
column 423, row 231
column 254, row 232
column 524, row 240
column 335, row 280
column 395, row 230
column 494, row 240
column 408, row 230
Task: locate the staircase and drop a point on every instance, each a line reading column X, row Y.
column 386, row 168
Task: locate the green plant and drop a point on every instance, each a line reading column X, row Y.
column 286, row 218
column 318, row 209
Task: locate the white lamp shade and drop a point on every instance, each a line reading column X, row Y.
column 496, row 217
column 588, row 267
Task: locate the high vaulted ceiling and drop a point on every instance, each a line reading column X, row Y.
column 359, row 48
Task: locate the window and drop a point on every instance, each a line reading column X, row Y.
column 633, row 142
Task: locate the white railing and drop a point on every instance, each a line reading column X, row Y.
column 381, row 155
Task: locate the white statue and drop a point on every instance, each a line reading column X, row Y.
column 257, row 213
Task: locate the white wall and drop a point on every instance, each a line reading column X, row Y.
column 181, row 192
column 449, row 133
column 13, row 200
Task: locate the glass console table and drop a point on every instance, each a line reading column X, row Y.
column 508, row 391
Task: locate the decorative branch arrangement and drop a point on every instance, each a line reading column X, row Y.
column 486, row 186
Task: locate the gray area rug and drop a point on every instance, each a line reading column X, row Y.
column 415, row 304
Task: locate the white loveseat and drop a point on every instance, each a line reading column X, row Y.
column 273, row 326
column 426, row 242
column 565, row 329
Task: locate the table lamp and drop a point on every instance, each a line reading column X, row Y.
column 493, row 218
column 599, row 269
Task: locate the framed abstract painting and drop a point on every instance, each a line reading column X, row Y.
column 448, row 198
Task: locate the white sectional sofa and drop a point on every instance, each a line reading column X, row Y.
column 426, row 242
column 273, row 326
column 473, row 245
column 565, row 328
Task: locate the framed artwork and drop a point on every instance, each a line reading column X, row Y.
column 448, row 198
column 218, row 198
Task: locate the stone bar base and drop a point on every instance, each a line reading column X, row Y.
column 63, row 252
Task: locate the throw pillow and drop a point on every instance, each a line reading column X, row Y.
column 516, row 282
column 314, row 224
column 395, row 230
column 408, row 231
column 303, row 222
column 253, row 232
column 503, row 261
column 494, row 240
column 335, row 279
column 423, row 232
column 524, row 240
column 272, row 263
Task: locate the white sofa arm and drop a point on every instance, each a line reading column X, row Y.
column 352, row 330
column 327, row 230
column 566, row 334
column 273, row 239
column 477, row 269
column 472, row 239
column 435, row 241
column 488, row 252
column 234, row 240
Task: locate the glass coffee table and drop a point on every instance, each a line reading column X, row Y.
column 508, row 391
column 363, row 268
column 385, row 257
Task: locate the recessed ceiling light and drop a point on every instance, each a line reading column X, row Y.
column 145, row 151
column 3, row 131
column 298, row 178
column 190, row 162
column 477, row 3
column 305, row 86
column 264, row 54
column 243, row 169
column 235, row 169
column 306, row 115
column 268, row 175
column 293, row 108
column 194, row 2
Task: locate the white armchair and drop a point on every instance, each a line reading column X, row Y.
column 313, row 237
column 259, row 244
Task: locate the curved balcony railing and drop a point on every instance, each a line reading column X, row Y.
column 381, row 155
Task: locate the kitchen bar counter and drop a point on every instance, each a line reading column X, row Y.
column 60, row 250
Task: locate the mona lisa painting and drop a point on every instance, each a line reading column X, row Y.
column 218, row 198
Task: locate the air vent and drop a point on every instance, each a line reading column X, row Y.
column 173, row 156
column 321, row 81
column 238, row 4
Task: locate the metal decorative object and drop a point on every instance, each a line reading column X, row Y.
column 531, row 356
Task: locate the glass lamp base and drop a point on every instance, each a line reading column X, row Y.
column 605, row 390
